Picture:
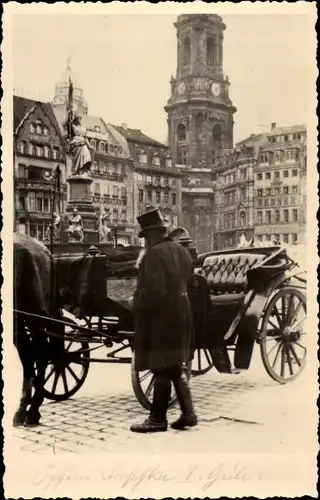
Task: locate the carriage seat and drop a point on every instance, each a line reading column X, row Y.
column 226, row 276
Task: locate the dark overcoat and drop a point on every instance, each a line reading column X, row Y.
column 162, row 315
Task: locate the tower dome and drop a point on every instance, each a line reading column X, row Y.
column 62, row 90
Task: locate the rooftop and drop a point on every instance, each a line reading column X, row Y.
column 23, row 106
column 135, row 135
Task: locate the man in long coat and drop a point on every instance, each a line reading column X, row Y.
column 163, row 322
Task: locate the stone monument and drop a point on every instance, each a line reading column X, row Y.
column 83, row 222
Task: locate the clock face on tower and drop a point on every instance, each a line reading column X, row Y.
column 215, row 89
column 181, row 88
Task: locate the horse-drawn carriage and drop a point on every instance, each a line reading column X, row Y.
column 239, row 297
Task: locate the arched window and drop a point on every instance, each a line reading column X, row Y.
column 31, row 128
column 217, row 135
column 211, row 47
column 186, row 53
column 102, row 147
column 93, row 143
column 39, row 129
column 181, row 131
column 31, row 149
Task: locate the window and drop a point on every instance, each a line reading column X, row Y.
column 158, row 197
column 259, row 192
column 272, row 202
column 268, row 191
column 39, row 204
column 285, row 200
column 158, row 181
column 32, row 128
column 149, row 179
column 259, row 218
column 277, row 190
column 46, row 204
column 294, row 189
column 31, row 149
column 21, row 147
column 169, row 162
column 266, row 202
column 294, row 238
column 243, row 219
column 181, row 131
column 115, row 191
column 22, row 203
column 45, row 131
column 277, row 175
column 55, row 153
column 268, row 217
column 123, row 192
column 285, row 190
column 156, row 160
column 211, row 52
column 294, row 173
column 174, row 199
column 140, row 195
column 293, row 200
column 285, row 173
column 143, row 158
column 259, row 203
column 38, row 129
column 285, row 215
column 277, row 216
column 149, row 195
column 166, row 197
column 39, row 151
column 46, row 151
column 186, row 51
column 102, row 147
column 22, row 171
column 286, row 238
column 295, row 215
column 243, row 174
column 268, row 175
column 259, row 177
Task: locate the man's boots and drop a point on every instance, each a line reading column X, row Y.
column 188, row 417
column 157, row 421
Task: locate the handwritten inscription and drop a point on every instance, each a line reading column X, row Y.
column 133, row 479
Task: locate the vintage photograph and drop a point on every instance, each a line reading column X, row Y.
column 164, row 173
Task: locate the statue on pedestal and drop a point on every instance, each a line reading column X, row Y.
column 80, row 148
column 55, row 228
column 104, row 230
column 75, row 231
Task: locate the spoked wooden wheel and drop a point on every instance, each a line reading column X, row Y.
column 143, row 384
column 66, row 375
column 202, row 362
column 283, row 335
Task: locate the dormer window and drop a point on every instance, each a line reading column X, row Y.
column 142, row 158
column 156, row 160
column 31, row 128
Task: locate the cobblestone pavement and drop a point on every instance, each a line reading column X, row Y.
column 235, row 411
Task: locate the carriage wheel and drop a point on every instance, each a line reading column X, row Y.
column 66, row 376
column 202, row 362
column 283, row 336
column 143, row 384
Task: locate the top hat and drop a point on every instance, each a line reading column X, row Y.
column 152, row 219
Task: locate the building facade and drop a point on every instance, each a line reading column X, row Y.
column 156, row 180
column 235, row 193
column 200, row 120
column 38, row 150
column 280, row 198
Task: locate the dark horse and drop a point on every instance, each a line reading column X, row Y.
column 35, row 292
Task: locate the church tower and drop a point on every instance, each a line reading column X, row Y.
column 200, row 121
column 61, row 92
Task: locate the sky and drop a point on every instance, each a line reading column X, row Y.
column 124, row 64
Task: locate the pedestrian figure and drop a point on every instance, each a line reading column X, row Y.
column 163, row 322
